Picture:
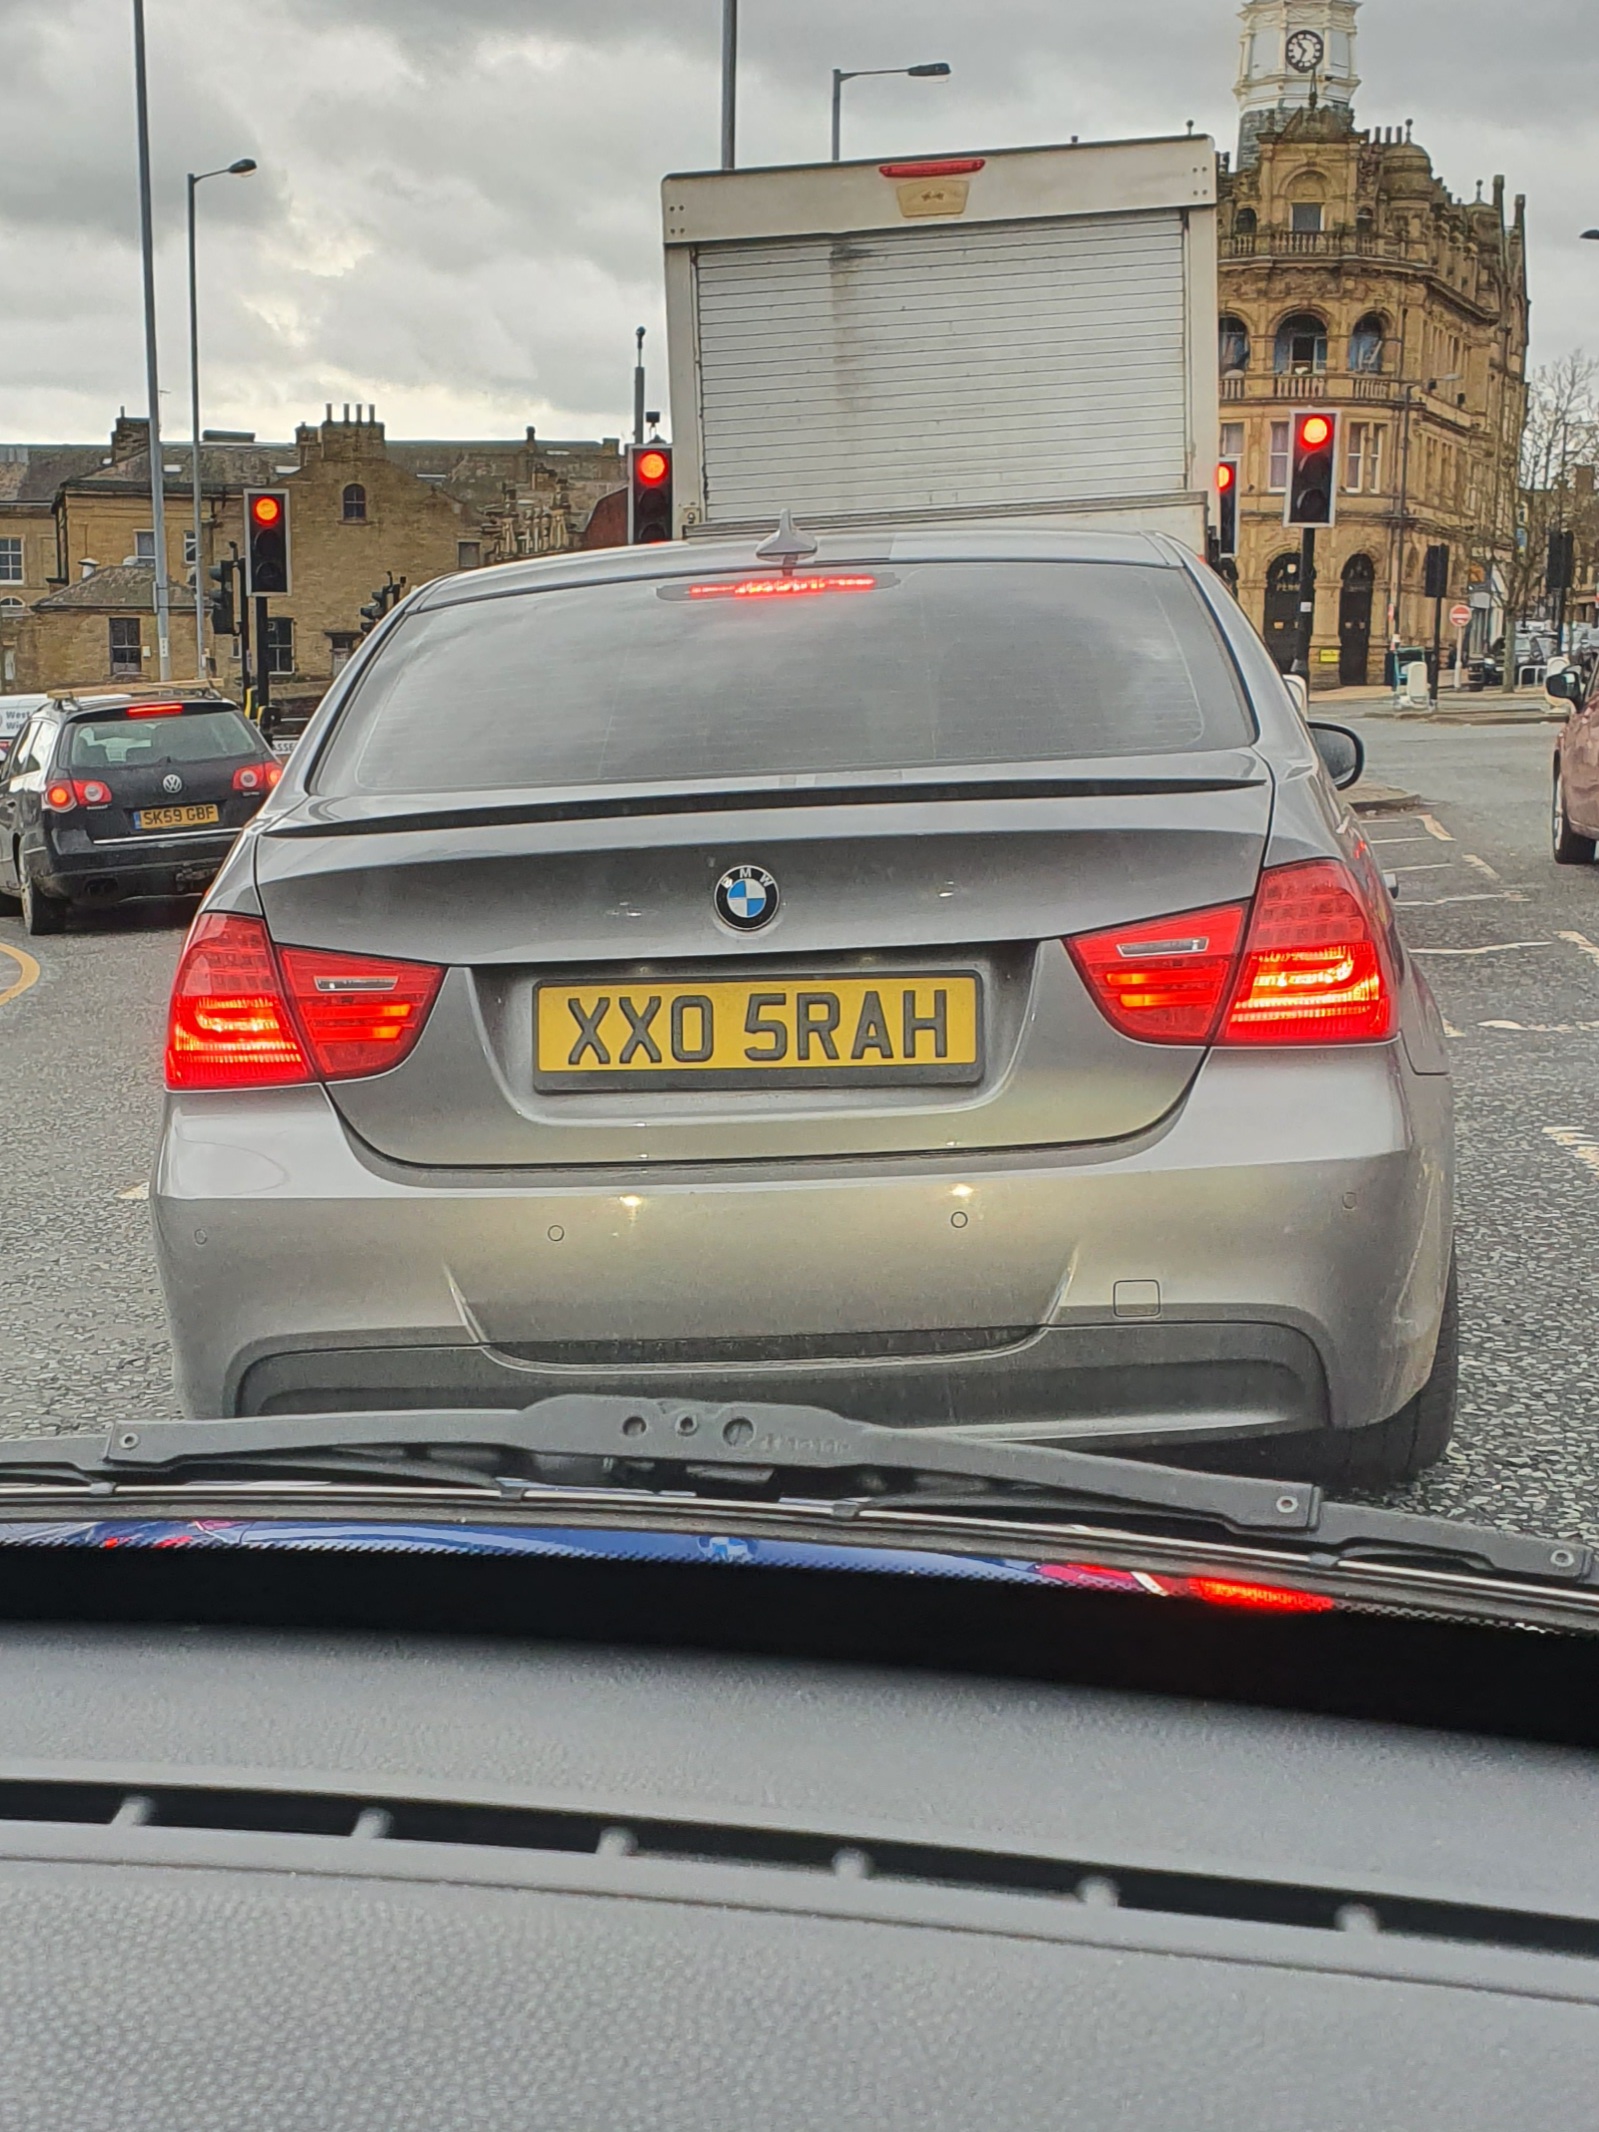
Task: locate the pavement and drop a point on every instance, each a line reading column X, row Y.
column 1459, row 816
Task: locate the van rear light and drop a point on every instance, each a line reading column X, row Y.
column 1316, row 968
column 248, row 1014
column 1164, row 980
column 229, row 1025
column 360, row 1014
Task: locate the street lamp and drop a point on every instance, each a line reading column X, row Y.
column 936, row 71
column 196, row 179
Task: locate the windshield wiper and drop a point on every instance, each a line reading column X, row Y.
column 759, row 1452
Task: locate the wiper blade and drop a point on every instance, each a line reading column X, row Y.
column 586, row 1439
column 765, row 1451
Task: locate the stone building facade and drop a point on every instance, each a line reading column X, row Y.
column 1353, row 280
column 362, row 511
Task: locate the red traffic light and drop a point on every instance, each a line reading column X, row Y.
column 266, row 510
column 652, row 468
column 1226, row 475
column 1314, row 431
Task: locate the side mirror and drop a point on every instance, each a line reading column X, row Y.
column 1565, row 683
column 1343, row 754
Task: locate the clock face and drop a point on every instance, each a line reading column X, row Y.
column 1306, row 50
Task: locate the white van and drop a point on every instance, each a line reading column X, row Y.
column 15, row 711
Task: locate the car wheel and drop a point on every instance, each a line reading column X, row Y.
column 1569, row 848
column 40, row 913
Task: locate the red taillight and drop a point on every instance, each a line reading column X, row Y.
column 1165, row 980
column 1315, row 967
column 248, row 1015
column 229, row 1025
column 60, row 797
column 951, row 166
column 91, row 792
column 360, row 1014
column 779, row 588
column 1259, row 1598
column 257, row 777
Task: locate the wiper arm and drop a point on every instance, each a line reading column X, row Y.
column 761, row 1451
column 599, row 1439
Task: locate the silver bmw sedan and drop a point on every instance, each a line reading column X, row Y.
column 930, row 977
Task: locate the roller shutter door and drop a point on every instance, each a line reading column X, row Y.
column 905, row 369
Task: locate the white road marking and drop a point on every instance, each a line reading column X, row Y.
column 1543, row 1028
column 1585, row 1150
column 1481, row 865
column 1583, row 945
column 139, row 1191
column 1494, row 947
column 1486, row 895
column 1428, row 866
column 1386, row 841
column 1451, row 1030
column 1435, row 828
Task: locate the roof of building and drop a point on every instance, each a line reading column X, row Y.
column 32, row 473
column 115, row 588
column 222, row 467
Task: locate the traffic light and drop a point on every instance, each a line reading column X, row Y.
column 649, row 493
column 1561, row 571
column 1227, row 514
column 266, row 525
column 1435, row 572
column 383, row 598
column 224, row 621
column 1312, row 469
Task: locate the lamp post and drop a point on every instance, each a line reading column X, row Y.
column 729, row 83
column 197, row 179
column 937, row 70
column 158, row 515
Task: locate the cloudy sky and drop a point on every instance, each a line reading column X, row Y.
column 456, row 214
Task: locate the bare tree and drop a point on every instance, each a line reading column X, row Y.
column 1559, row 452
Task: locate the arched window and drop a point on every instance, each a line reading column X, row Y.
column 1366, row 343
column 1234, row 345
column 1244, row 222
column 1301, row 344
column 355, row 505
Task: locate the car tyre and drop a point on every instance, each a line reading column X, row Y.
column 40, row 913
column 1399, row 1450
column 1569, row 848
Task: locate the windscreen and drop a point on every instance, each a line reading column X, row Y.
column 196, row 737
column 859, row 669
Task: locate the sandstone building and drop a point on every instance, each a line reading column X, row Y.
column 77, row 551
column 1352, row 279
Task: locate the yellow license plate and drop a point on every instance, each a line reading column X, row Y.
column 802, row 1032
column 174, row 817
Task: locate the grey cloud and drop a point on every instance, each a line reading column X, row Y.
column 457, row 211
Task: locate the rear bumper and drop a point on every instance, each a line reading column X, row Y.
column 153, row 866
column 1272, row 1258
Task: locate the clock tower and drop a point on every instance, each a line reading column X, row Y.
column 1292, row 53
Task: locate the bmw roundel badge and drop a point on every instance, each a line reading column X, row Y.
column 746, row 898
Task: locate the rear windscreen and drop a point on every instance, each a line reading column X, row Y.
column 198, row 736
column 863, row 669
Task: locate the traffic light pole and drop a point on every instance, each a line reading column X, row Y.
column 263, row 665
column 1437, row 647
column 242, row 610
column 1307, row 600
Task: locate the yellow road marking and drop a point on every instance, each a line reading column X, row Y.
column 28, row 972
